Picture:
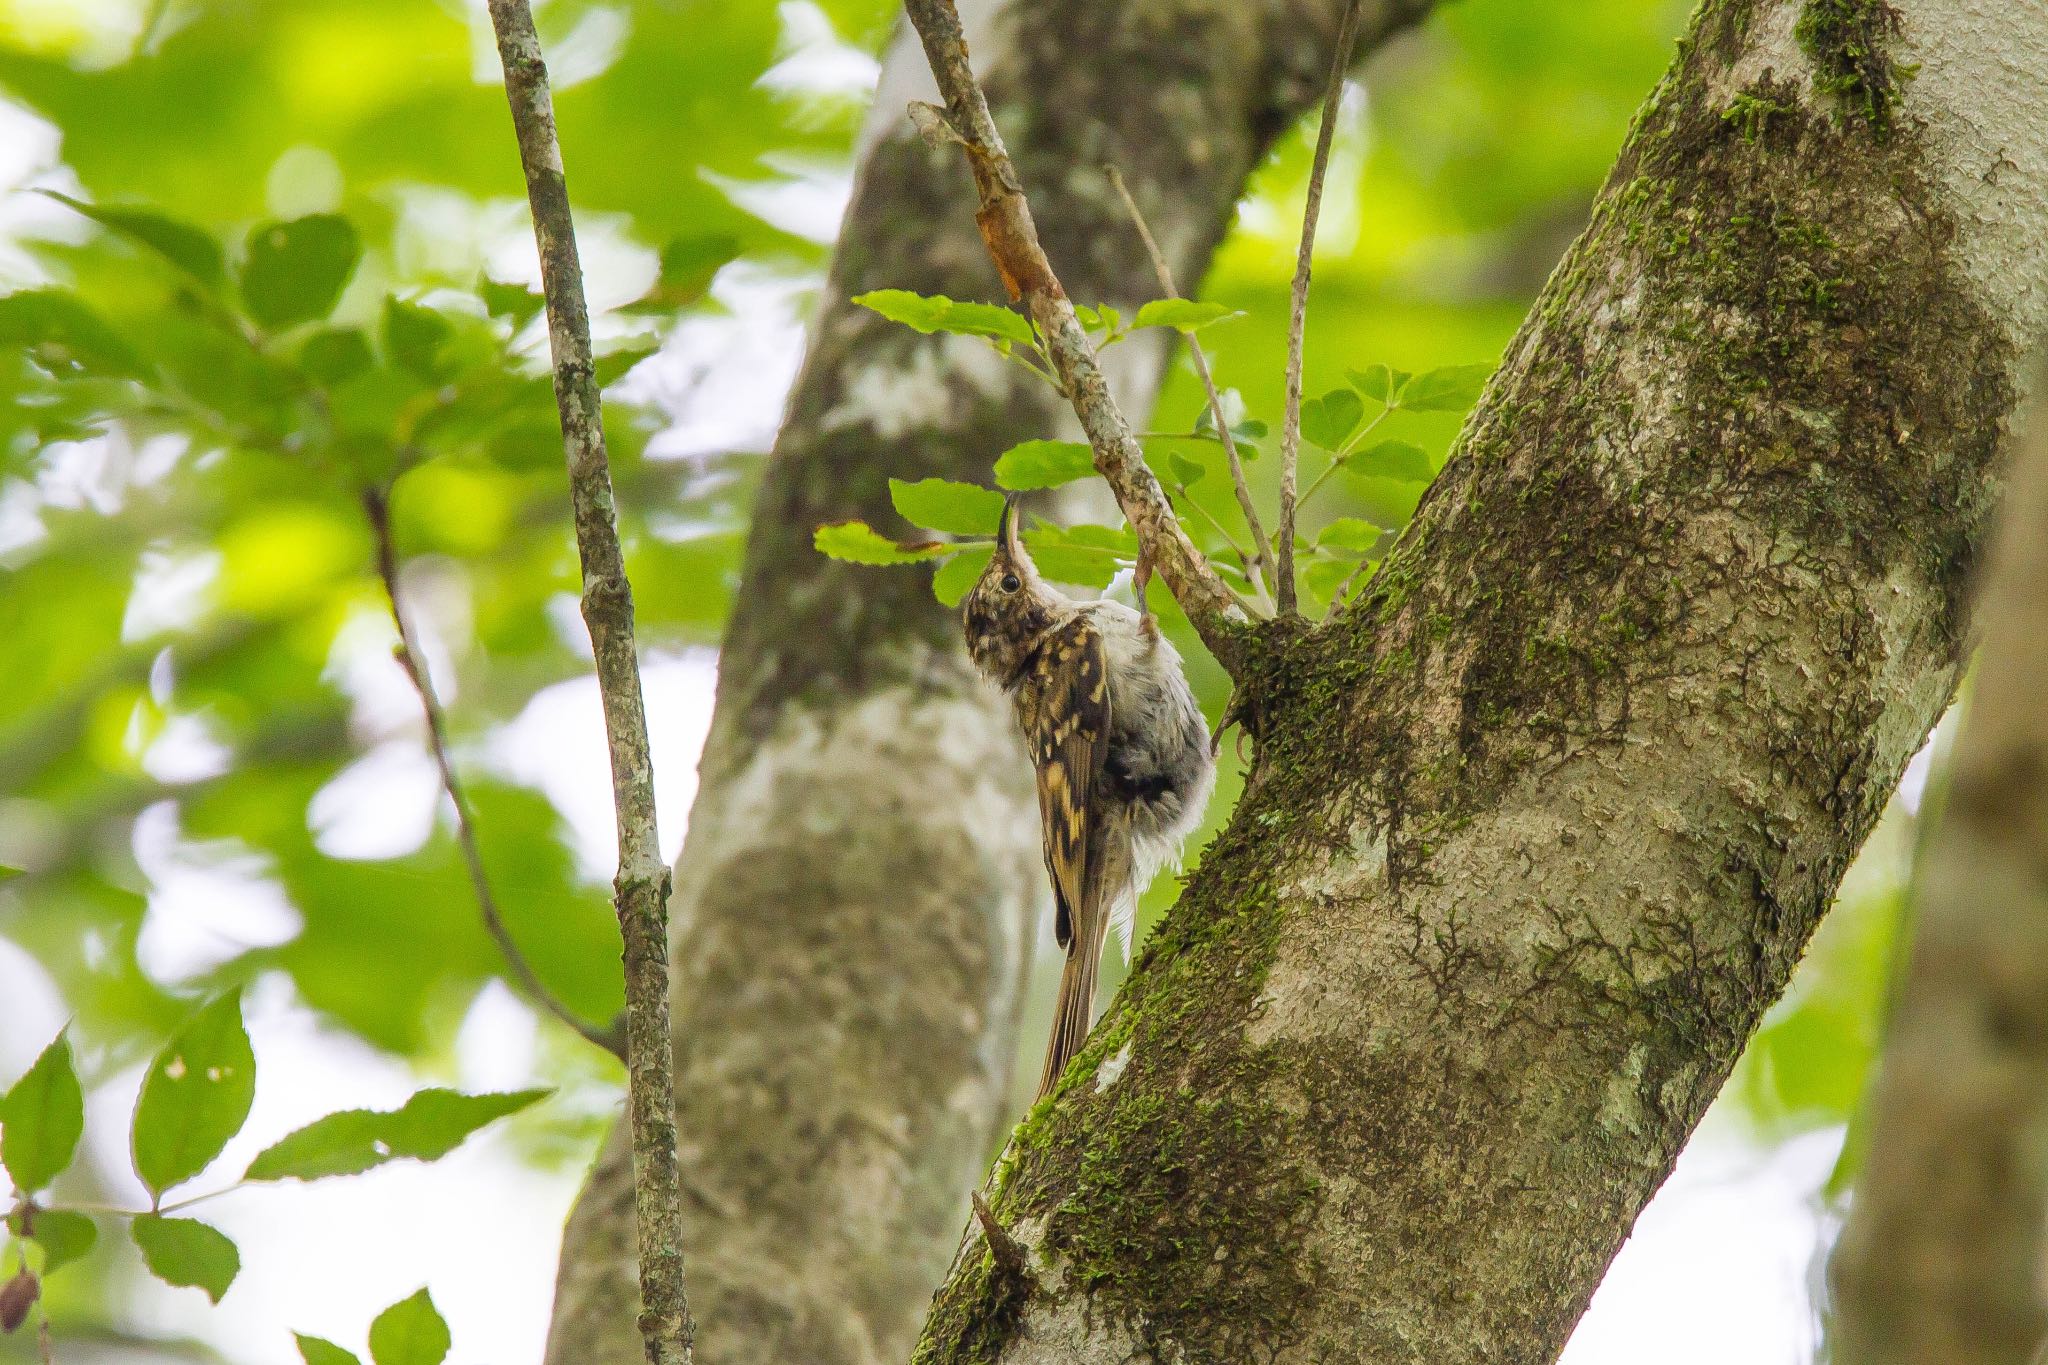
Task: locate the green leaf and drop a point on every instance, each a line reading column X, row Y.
column 1183, row 315
column 320, row 1351
column 1101, row 316
column 688, row 265
column 930, row 313
column 409, row 1332
column 413, row 336
column 63, row 335
column 1400, row 460
column 63, row 1235
column 1186, row 470
column 1043, row 464
column 187, row 1253
column 1063, row 558
column 194, row 1097
column 514, row 301
column 960, row 509
column 1378, row 382
column 41, row 1118
column 183, row 245
column 856, row 542
column 1448, row 388
column 334, row 354
column 614, row 365
column 1327, row 420
column 1324, row 576
column 427, row 1127
column 1349, row 533
column 295, row 271
column 957, row 576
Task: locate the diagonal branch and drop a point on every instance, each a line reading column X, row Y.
column 377, row 505
column 1004, row 217
column 1261, row 565
column 641, row 889
column 1297, row 316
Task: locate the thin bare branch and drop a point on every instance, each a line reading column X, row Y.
column 1007, row 230
column 377, row 507
column 1262, row 546
column 641, row 890
column 1297, row 315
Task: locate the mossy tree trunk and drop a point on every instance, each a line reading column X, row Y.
column 855, row 901
column 1543, row 822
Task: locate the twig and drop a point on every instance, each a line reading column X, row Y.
column 641, row 890
column 1012, row 240
column 1262, row 547
column 377, row 505
column 1297, row 315
column 1007, row 1252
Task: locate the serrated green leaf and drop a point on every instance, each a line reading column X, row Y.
column 856, row 542
column 1400, row 460
column 930, row 313
column 335, row 354
column 957, row 576
column 194, row 1097
column 1183, row 315
column 1043, row 464
column 1186, row 470
column 413, row 336
column 63, row 335
column 187, row 1253
column 1376, row 382
column 1064, row 560
column 960, row 509
column 1448, row 388
column 1349, row 533
column 183, row 245
column 320, row 1351
column 41, row 1118
column 427, row 1127
column 295, row 271
column 1327, row 420
column 409, row 1332
column 63, row 1235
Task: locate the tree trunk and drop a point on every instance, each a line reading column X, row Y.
column 1942, row 1257
column 1541, row 824
column 855, row 901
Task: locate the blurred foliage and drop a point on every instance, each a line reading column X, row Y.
column 286, row 261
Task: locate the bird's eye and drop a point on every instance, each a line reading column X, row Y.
column 1011, row 582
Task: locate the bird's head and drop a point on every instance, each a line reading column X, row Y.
column 1010, row 607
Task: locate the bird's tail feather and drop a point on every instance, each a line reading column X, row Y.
column 1074, row 1012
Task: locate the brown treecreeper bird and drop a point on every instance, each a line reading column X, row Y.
column 1124, row 761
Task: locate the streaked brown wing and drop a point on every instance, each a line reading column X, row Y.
column 1064, row 706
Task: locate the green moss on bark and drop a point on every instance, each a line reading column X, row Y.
column 1849, row 43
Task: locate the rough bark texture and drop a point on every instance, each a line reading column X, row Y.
column 1544, row 821
column 640, row 891
column 862, row 872
column 1942, row 1257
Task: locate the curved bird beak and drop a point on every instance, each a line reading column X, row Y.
column 1009, row 531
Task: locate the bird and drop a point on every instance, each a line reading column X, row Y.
column 1123, row 758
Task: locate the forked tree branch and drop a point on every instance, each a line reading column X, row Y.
column 1262, row 545
column 377, row 506
column 1004, row 218
column 642, row 888
column 1297, row 315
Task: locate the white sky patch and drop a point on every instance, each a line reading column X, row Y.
column 185, row 749
column 814, row 60
column 209, row 902
column 722, row 380
column 557, row 744
column 380, row 806
column 170, row 592
column 806, row 198
column 495, row 1048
